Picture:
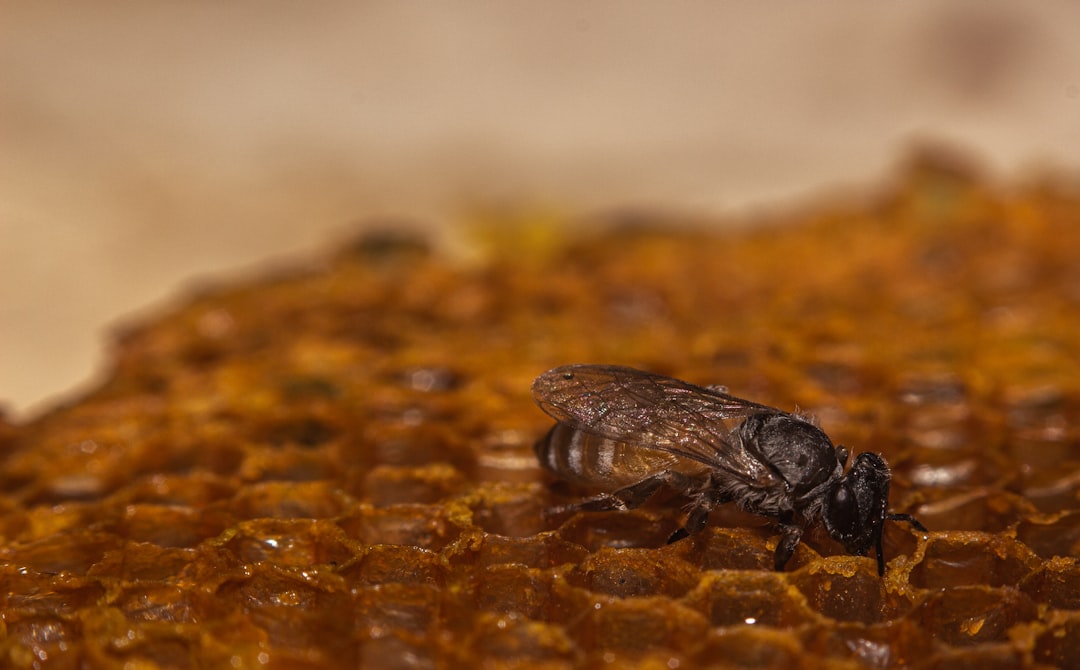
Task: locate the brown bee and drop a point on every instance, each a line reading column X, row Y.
column 628, row 432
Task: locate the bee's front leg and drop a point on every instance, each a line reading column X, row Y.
column 790, row 535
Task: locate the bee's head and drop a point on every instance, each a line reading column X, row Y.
column 856, row 508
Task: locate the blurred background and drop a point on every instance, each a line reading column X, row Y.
column 147, row 144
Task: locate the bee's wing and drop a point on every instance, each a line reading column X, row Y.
column 652, row 412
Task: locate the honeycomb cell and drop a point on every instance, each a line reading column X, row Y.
column 194, row 490
column 288, row 464
column 421, row 526
column 295, row 613
column 143, row 561
column 634, row 572
column 1033, row 406
column 227, row 635
column 300, row 429
column 391, row 563
column 23, row 527
column 1056, row 583
column 388, row 485
column 848, row 588
column 510, row 510
column 730, row 549
column 174, row 652
column 26, row 594
column 287, row 500
column 300, row 543
column 929, row 468
column 396, row 651
column 166, row 651
column 569, row 604
column 973, row 615
column 435, row 378
column 216, row 456
column 900, row 542
column 170, row 525
column 751, row 597
column 1054, row 490
column 309, row 388
column 980, row 509
column 966, row 557
column 939, row 390
column 1059, row 644
column 753, row 647
column 512, row 589
column 29, row 640
column 73, row 552
column 545, row 550
column 1041, row 455
column 937, row 412
column 984, row 657
column 636, row 625
column 408, row 443
column 839, row 377
column 636, row 528
column 507, row 456
column 1051, row 536
column 889, row 644
column 164, row 603
column 515, row 641
column 82, row 479
column 383, row 609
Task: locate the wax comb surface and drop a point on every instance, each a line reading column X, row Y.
column 334, row 467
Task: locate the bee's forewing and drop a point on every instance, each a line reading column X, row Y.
column 651, row 412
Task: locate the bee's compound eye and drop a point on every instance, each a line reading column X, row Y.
column 843, row 509
column 855, row 509
column 845, row 517
column 568, row 375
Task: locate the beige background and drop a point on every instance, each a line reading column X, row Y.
column 146, row 143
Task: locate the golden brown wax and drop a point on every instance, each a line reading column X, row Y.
column 333, row 466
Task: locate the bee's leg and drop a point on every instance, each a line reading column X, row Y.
column 628, row 497
column 790, row 534
column 696, row 520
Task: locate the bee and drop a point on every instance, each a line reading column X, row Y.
column 627, row 433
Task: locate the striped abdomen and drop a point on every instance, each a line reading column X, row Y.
column 602, row 463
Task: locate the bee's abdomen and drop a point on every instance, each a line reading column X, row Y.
column 596, row 461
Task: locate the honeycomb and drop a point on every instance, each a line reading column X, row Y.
column 332, row 466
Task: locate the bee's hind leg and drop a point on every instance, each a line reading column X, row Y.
column 628, row 497
column 695, row 521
